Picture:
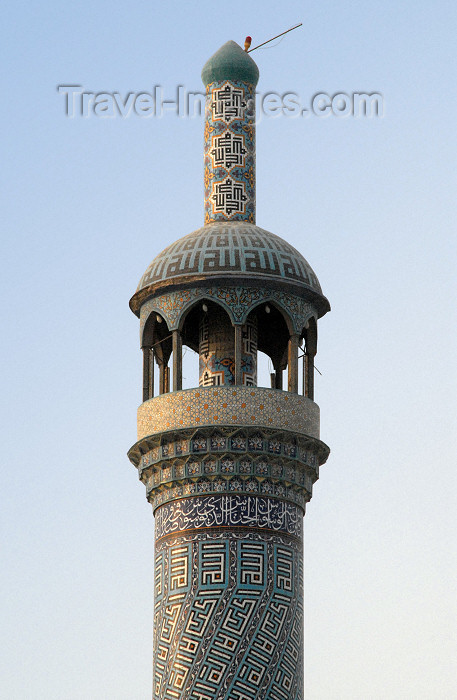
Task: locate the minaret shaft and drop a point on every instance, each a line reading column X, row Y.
column 229, row 143
column 217, row 350
column 228, row 466
column 229, row 159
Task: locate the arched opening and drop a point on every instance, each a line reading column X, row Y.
column 157, row 346
column 189, row 333
column 227, row 353
column 255, row 353
column 272, row 343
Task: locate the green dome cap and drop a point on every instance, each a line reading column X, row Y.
column 230, row 63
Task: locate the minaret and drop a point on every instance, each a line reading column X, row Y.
column 229, row 466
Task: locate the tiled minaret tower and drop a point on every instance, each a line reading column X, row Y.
column 229, row 466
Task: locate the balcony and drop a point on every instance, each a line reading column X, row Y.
column 229, row 405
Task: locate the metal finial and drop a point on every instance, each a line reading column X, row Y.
column 273, row 38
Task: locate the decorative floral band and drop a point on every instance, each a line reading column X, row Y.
column 237, row 301
column 226, row 405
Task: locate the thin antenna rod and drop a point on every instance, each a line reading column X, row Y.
column 276, row 37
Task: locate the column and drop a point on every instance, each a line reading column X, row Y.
column 177, row 360
column 146, row 373
column 293, row 364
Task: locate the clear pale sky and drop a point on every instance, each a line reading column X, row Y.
column 87, row 204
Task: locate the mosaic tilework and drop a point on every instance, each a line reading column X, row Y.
column 228, row 406
column 217, row 351
column 296, row 486
column 230, row 510
column 178, row 491
column 229, row 152
column 250, row 446
column 220, row 371
column 237, row 301
column 228, row 617
column 180, row 464
column 231, row 247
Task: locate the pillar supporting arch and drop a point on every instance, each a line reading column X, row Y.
column 310, row 336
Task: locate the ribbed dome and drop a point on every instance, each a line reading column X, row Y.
column 236, row 250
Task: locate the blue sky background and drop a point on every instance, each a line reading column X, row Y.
column 86, row 205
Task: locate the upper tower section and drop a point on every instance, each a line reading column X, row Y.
column 230, row 77
column 230, row 249
column 229, row 291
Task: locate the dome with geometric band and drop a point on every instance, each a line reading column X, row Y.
column 232, row 249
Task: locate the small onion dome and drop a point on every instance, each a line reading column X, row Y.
column 231, row 62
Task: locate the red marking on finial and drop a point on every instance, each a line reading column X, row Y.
column 247, row 43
